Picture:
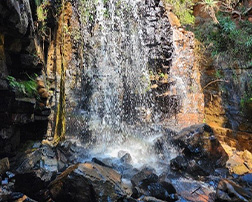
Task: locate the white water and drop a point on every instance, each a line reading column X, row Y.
column 119, row 113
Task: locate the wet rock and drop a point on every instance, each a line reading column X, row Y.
column 4, row 165
column 5, row 181
column 126, row 158
column 182, row 164
column 28, row 162
column 247, row 178
column 10, row 174
column 100, row 162
column 202, row 152
column 228, row 190
column 121, row 153
column 192, row 190
column 127, row 171
column 222, row 172
column 149, row 199
column 19, row 197
column 158, row 191
column 87, row 182
column 179, row 163
column 49, row 160
column 30, row 61
column 34, row 170
column 146, row 184
column 144, row 176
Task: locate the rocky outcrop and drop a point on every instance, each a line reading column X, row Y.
column 21, row 57
column 177, row 86
column 226, row 84
column 202, row 152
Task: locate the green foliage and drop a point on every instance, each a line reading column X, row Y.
column 218, row 74
column 25, row 88
column 42, row 11
column 183, row 9
column 227, row 38
column 161, row 75
column 210, row 3
column 245, row 100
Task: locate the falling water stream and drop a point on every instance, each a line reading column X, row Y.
column 117, row 101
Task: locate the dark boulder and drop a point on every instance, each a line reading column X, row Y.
column 126, row 158
column 33, row 184
column 146, row 175
column 87, row 182
column 146, row 184
column 202, row 152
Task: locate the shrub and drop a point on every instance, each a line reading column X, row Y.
column 227, row 38
column 25, row 88
column 183, row 9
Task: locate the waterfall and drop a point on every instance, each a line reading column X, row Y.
column 124, row 40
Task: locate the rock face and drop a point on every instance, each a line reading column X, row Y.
column 227, row 91
column 87, row 182
column 202, row 152
column 21, row 57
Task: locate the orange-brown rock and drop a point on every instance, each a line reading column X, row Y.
column 173, row 19
column 55, row 49
column 45, row 95
column 183, row 83
column 239, row 140
column 40, row 84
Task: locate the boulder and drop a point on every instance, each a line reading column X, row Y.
column 193, row 190
column 126, row 158
column 146, row 184
column 34, row 168
column 228, row 190
column 32, row 183
column 87, row 182
column 202, row 152
column 145, row 175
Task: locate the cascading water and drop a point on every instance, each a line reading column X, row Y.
column 123, row 41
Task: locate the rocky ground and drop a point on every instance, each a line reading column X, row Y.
column 203, row 171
